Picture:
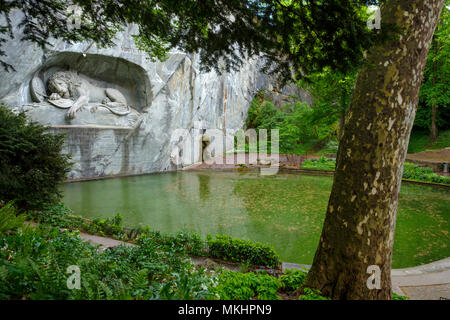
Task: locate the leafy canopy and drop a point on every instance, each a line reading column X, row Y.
column 295, row 36
column 434, row 90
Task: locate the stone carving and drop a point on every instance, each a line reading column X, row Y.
column 163, row 96
column 70, row 91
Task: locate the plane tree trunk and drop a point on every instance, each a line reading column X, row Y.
column 434, row 130
column 359, row 227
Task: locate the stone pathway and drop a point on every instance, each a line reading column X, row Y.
column 426, row 282
column 104, row 243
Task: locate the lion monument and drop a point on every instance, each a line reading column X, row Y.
column 67, row 90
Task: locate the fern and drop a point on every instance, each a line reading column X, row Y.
column 8, row 219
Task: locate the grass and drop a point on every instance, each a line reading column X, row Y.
column 420, row 141
column 319, row 164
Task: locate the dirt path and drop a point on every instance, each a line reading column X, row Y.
column 438, row 156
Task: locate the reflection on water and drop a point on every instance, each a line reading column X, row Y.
column 286, row 210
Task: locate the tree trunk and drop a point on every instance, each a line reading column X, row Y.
column 359, row 227
column 341, row 123
column 434, row 129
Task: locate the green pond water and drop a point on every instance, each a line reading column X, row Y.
column 285, row 211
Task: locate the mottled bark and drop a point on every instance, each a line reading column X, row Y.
column 360, row 222
column 341, row 123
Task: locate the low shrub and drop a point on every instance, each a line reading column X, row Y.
column 222, row 247
column 33, row 264
column 182, row 242
column 310, row 294
column 319, row 164
column 34, row 260
column 292, row 279
column 410, row 171
column 413, row 172
column 237, row 250
column 331, row 147
column 60, row 216
column 9, row 221
column 245, row 286
column 398, row 297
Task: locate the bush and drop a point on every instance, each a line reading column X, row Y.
column 319, row 164
column 292, row 279
column 237, row 250
column 398, row 297
column 33, row 265
column 311, row 294
column 31, row 163
column 331, row 147
column 8, row 219
column 59, row 215
column 299, row 129
column 183, row 242
column 413, row 172
column 245, row 286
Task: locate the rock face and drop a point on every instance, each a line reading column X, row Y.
column 165, row 96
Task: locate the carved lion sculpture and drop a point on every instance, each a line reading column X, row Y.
column 70, row 91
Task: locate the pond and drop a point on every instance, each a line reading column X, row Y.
column 285, row 211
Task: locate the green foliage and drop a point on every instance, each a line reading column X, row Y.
column 435, row 84
column 31, row 163
column 292, row 36
column 182, row 242
column 223, row 247
column 413, row 172
column 332, row 93
column 9, row 221
column 245, row 286
column 188, row 286
column 311, row 294
column 59, row 215
column 297, row 127
column 410, row 171
column 319, row 164
column 297, row 124
column 237, row 250
column 398, row 297
column 420, row 141
column 292, row 279
column 331, row 147
column 33, row 265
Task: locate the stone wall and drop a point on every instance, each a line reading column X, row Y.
column 167, row 96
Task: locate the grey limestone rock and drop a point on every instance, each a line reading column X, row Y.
column 164, row 96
